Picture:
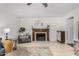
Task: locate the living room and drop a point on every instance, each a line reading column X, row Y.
column 51, row 19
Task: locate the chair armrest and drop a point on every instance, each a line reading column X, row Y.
column 2, row 51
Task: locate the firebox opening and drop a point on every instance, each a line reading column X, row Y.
column 40, row 37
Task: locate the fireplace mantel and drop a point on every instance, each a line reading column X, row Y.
column 44, row 30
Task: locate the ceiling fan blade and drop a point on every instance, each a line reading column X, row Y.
column 45, row 4
column 29, row 4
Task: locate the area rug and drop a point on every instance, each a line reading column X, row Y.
column 31, row 51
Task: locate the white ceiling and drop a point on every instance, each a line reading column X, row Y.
column 38, row 10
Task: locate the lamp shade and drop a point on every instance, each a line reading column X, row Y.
column 6, row 30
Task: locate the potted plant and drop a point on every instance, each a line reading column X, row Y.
column 22, row 30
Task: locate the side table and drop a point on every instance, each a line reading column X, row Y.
column 14, row 44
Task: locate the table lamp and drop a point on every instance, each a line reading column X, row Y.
column 6, row 31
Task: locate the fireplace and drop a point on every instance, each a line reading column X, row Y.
column 40, row 34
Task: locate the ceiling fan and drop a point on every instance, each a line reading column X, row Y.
column 44, row 4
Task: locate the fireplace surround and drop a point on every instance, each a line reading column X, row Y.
column 42, row 34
